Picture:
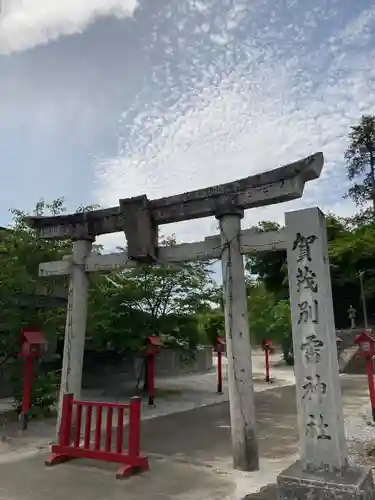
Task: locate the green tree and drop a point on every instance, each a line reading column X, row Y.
column 351, row 247
column 281, row 329
column 360, row 159
column 127, row 306
column 269, row 267
column 20, row 254
column 260, row 305
column 214, row 325
column 353, row 250
column 269, row 318
column 25, row 299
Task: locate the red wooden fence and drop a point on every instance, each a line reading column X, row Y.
column 71, row 445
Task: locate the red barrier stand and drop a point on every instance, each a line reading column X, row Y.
column 69, row 448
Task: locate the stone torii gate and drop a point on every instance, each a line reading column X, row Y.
column 139, row 218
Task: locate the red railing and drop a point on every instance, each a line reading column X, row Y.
column 71, row 445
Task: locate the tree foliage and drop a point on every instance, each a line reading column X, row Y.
column 360, row 159
column 269, row 317
column 351, row 249
column 269, row 267
column 20, row 254
column 214, row 325
column 160, row 299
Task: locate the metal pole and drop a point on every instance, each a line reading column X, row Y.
column 363, row 298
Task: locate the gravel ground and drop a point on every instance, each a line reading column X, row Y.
column 360, row 432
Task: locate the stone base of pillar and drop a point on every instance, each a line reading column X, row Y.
column 295, row 484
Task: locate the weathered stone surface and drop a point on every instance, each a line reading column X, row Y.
column 240, row 380
column 251, row 240
column 274, row 186
column 319, row 403
column 322, row 473
column 354, row 484
column 75, row 326
column 140, row 230
column 309, row 168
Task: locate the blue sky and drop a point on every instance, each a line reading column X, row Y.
column 103, row 99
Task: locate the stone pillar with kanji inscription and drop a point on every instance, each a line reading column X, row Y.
column 322, row 471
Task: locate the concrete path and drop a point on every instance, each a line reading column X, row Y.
column 185, row 392
column 190, row 456
column 175, row 394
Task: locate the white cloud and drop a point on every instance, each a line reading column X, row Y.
column 27, row 23
column 244, row 115
column 359, row 30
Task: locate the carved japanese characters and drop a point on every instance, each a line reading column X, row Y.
column 317, row 384
column 311, row 345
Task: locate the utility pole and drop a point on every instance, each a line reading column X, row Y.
column 363, row 298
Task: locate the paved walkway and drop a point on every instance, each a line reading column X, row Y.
column 173, row 395
column 190, row 456
column 186, row 392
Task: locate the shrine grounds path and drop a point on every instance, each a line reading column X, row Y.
column 189, row 451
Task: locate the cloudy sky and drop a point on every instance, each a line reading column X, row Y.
column 103, row 99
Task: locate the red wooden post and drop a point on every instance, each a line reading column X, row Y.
column 98, row 428
column 219, row 372
column 32, row 343
column 120, row 429
column 108, row 431
column 366, row 343
column 267, row 353
column 66, row 420
column 371, row 387
column 153, row 346
column 134, row 442
column 26, row 395
column 86, row 441
column 219, row 348
column 151, row 379
column 78, row 422
column 267, row 347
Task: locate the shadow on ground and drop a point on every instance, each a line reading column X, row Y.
column 190, row 457
column 202, row 435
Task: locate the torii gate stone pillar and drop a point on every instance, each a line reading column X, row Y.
column 240, row 380
column 140, row 218
column 76, row 320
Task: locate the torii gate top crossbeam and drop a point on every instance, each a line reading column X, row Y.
column 275, row 186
